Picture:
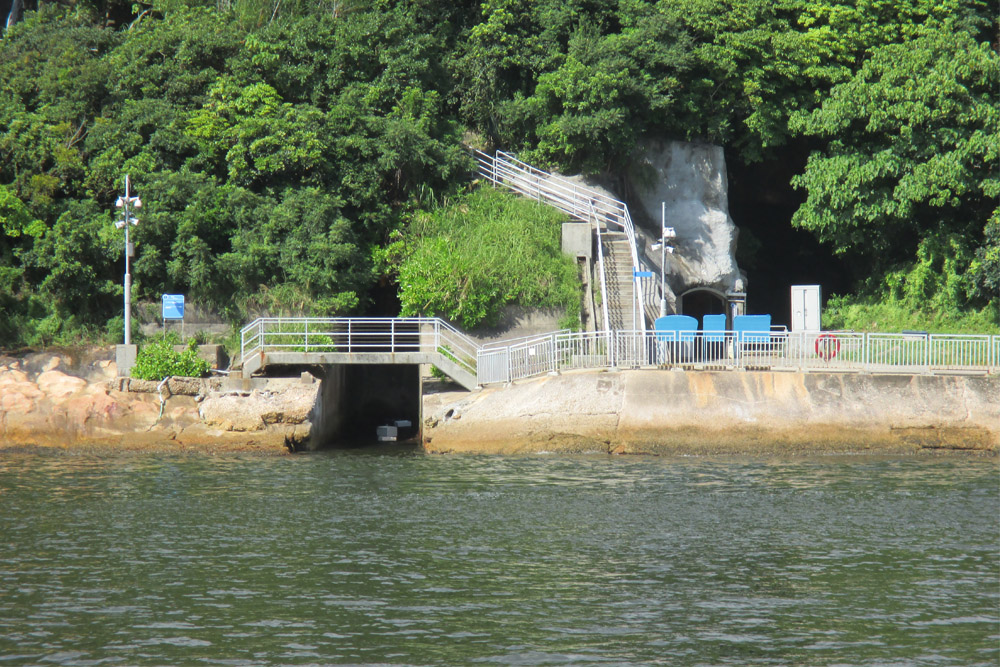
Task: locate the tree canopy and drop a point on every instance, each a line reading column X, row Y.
column 281, row 147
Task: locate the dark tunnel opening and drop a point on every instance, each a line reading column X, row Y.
column 355, row 400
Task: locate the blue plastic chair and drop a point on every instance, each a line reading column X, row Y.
column 675, row 335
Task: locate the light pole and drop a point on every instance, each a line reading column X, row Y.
column 127, row 203
column 666, row 234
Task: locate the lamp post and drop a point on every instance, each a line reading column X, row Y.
column 126, row 204
column 666, row 234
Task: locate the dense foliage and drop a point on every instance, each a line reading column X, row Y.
column 270, row 161
column 281, row 147
column 471, row 257
column 158, row 359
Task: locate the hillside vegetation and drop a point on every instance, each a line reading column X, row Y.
column 281, row 148
column 469, row 258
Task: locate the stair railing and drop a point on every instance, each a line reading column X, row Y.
column 603, row 280
column 604, row 290
column 578, row 201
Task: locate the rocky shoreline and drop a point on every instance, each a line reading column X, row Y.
column 74, row 399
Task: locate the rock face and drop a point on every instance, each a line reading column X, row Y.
column 61, row 400
column 691, row 180
column 704, row 412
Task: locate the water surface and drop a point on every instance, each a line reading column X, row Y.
column 393, row 557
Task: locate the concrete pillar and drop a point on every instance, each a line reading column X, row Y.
column 125, row 359
column 736, row 304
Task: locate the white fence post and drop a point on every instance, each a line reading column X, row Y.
column 516, row 359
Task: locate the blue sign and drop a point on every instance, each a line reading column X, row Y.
column 173, row 306
column 642, row 274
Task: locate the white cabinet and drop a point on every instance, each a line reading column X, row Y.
column 805, row 308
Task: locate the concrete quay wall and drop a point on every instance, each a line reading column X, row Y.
column 705, row 412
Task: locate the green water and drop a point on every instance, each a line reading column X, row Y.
column 399, row 558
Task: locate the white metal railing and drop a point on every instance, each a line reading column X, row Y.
column 603, row 279
column 352, row 335
column 535, row 355
column 576, row 200
column 771, row 350
column 512, row 342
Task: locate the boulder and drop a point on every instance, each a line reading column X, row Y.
column 74, row 398
column 690, row 178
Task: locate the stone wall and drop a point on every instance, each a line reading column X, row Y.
column 76, row 399
column 710, row 412
column 518, row 321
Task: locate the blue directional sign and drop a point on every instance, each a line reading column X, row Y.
column 173, row 306
column 642, row 274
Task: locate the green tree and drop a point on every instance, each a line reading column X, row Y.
column 910, row 165
column 302, row 257
column 984, row 270
column 259, row 137
column 74, row 263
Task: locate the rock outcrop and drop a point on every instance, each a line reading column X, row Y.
column 64, row 400
column 690, row 178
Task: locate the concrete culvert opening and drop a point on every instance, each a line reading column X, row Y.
column 355, row 400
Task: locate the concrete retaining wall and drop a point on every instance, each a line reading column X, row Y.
column 715, row 412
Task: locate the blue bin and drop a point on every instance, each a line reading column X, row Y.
column 713, row 328
column 753, row 329
column 675, row 336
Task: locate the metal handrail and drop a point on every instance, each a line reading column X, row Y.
column 777, row 350
column 578, row 201
column 841, row 351
column 359, row 335
column 603, row 279
column 520, row 340
column 637, row 281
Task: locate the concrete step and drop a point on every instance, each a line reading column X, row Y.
column 456, row 372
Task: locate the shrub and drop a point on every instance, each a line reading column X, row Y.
column 158, row 359
column 468, row 259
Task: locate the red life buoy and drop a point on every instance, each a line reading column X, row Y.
column 827, row 346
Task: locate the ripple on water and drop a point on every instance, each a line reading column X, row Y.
column 409, row 559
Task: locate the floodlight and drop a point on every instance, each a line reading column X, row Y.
column 134, row 221
column 120, row 224
column 119, row 202
column 136, row 202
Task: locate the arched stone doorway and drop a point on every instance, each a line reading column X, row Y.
column 702, row 301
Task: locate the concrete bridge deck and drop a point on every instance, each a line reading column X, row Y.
column 411, row 341
column 359, row 341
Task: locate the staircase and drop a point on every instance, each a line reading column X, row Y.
column 620, row 284
column 626, row 301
